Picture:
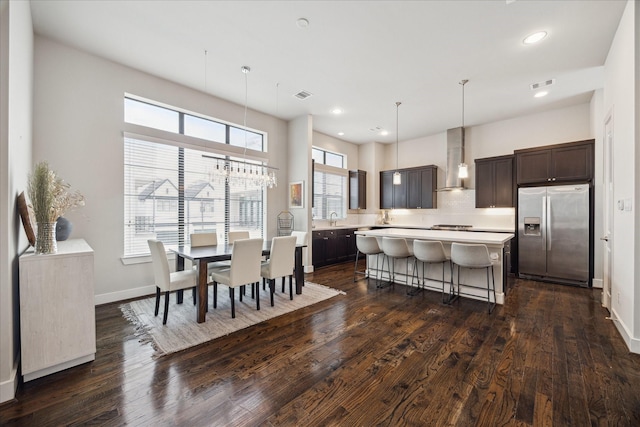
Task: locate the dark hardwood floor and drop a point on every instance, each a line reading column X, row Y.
column 373, row 357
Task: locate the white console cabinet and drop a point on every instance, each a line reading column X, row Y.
column 57, row 310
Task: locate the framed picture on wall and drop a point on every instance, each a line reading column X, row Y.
column 296, row 194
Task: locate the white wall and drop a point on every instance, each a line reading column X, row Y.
column 621, row 98
column 78, row 123
column 16, row 102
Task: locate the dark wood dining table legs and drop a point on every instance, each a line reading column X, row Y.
column 202, row 293
column 299, row 271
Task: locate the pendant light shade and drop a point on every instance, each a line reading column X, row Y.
column 397, row 178
column 463, row 169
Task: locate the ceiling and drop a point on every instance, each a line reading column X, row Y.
column 360, row 56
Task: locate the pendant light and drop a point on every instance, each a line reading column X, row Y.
column 397, row 178
column 463, row 169
column 242, row 171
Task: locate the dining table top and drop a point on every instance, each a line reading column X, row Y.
column 220, row 251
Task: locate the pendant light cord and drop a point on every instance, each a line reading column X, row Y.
column 397, row 126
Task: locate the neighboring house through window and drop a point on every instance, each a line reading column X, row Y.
column 172, row 189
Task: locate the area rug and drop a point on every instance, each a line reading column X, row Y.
column 182, row 331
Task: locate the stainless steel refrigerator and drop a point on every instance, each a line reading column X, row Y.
column 553, row 233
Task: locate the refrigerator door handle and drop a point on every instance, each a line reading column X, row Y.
column 548, row 218
column 544, row 223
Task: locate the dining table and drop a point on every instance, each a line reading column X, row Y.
column 203, row 255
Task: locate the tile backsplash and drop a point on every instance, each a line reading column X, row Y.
column 454, row 207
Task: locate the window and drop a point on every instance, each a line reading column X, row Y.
column 329, row 184
column 172, row 191
column 328, row 158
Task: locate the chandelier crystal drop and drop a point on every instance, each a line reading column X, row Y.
column 242, row 172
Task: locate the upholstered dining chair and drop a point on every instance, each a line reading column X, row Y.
column 244, row 270
column 166, row 281
column 232, row 236
column 203, row 239
column 280, row 263
column 207, row 239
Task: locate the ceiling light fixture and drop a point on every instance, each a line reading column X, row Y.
column 384, row 132
column 535, row 37
column 463, row 169
column 337, row 111
column 302, row 22
column 340, row 133
column 243, row 172
column 397, row 178
column 541, row 94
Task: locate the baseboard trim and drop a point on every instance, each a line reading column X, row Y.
column 8, row 388
column 632, row 343
column 123, row 295
column 597, row 283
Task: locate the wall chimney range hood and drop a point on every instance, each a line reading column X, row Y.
column 455, row 156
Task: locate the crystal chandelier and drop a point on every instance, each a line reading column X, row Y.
column 242, row 172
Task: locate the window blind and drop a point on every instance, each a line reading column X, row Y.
column 329, row 192
column 171, row 192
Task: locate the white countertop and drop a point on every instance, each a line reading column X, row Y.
column 411, row 227
column 486, row 238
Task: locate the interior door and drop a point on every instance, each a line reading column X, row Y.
column 608, row 211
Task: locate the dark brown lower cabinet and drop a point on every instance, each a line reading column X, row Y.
column 333, row 246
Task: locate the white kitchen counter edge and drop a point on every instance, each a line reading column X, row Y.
column 486, row 238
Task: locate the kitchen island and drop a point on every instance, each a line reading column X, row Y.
column 495, row 243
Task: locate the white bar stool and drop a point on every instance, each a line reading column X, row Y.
column 430, row 252
column 368, row 245
column 395, row 248
column 474, row 257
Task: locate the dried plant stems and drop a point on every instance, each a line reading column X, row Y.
column 50, row 195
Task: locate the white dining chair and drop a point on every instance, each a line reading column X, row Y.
column 244, row 270
column 280, row 263
column 207, row 239
column 166, row 281
column 232, row 236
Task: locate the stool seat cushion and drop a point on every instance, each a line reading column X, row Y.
column 396, row 247
column 429, row 251
column 470, row 255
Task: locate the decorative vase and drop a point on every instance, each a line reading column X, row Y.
column 63, row 229
column 46, row 238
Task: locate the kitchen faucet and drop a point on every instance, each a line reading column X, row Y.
column 333, row 221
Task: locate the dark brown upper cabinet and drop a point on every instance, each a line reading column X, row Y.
column 416, row 191
column 494, row 182
column 357, row 189
column 555, row 163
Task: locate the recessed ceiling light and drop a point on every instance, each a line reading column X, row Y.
column 384, row 132
column 535, row 37
column 337, row 111
column 302, row 23
column 541, row 94
column 340, row 133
